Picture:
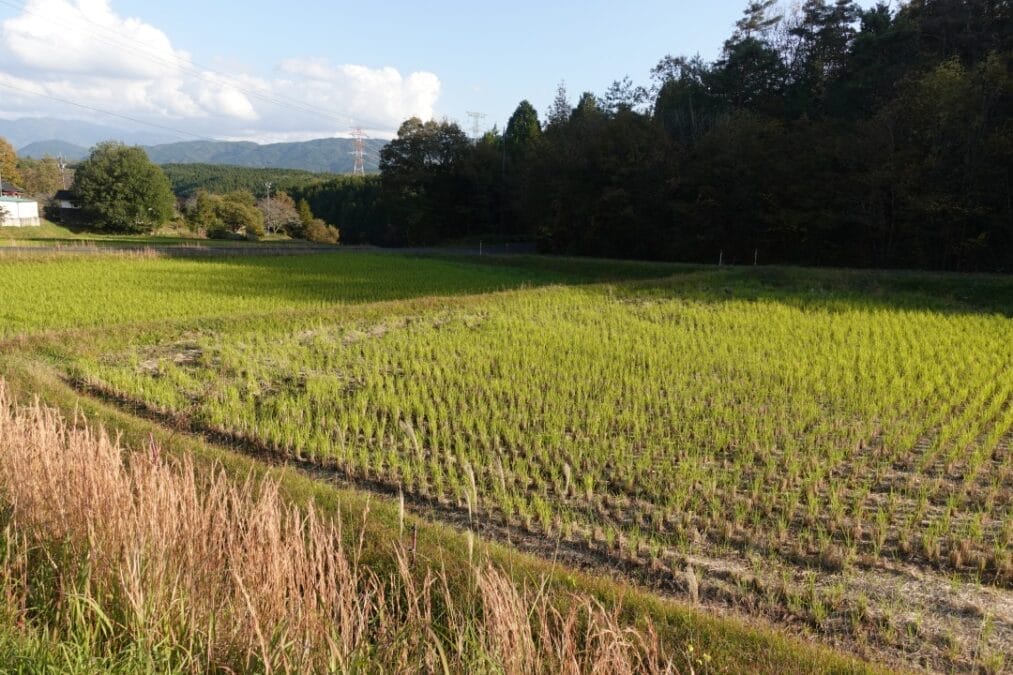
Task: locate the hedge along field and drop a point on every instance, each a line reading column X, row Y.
column 814, row 429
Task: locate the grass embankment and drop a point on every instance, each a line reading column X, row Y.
column 50, row 234
column 153, row 561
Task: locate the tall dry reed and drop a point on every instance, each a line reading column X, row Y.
column 227, row 575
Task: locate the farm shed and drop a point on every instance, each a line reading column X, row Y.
column 19, row 212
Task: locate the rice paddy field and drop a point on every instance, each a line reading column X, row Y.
column 829, row 452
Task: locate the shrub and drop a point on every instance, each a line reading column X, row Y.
column 230, row 216
column 321, row 232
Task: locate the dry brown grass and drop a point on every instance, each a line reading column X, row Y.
column 228, row 576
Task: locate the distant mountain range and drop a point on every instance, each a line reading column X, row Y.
column 40, row 149
column 31, row 130
column 331, row 155
column 72, row 139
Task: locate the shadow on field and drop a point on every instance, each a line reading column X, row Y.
column 353, row 277
column 163, row 286
column 365, row 277
column 841, row 290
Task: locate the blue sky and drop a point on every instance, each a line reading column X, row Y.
column 488, row 56
column 355, row 60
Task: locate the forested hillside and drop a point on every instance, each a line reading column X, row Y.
column 827, row 135
column 186, row 179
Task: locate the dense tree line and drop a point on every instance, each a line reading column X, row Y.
column 829, row 135
column 352, row 204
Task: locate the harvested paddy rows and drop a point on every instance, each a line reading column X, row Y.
column 825, row 447
column 830, row 450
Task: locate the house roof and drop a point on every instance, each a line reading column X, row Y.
column 6, row 186
column 64, row 196
column 15, row 199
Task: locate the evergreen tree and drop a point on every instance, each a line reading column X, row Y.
column 622, row 95
column 750, row 73
column 304, row 213
column 587, row 107
column 560, row 110
column 684, row 105
column 824, row 35
column 523, row 130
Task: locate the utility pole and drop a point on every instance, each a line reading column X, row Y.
column 359, row 169
column 63, row 170
column 268, row 185
column 476, row 123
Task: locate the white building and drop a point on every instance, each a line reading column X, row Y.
column 19, row 212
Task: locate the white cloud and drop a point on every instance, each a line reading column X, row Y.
column 86, row 38
column 374, row 97
column 82, row 50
